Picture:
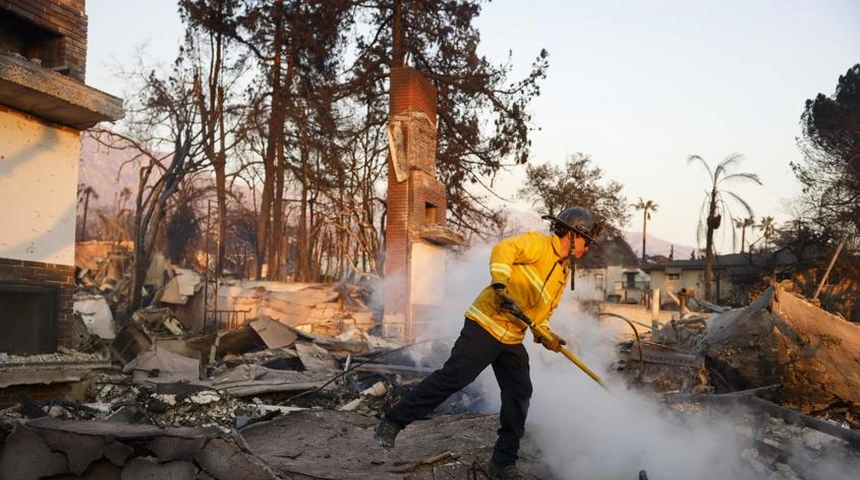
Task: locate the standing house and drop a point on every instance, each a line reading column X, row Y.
column 44, row 106
column 734, row 274
column 610, row 272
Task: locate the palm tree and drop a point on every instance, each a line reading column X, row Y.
column 647, row 208
column 715, row 205
column 767, row 229
column 84, row 193
column 743, row 223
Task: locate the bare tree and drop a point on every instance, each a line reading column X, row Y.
column 162, row 117
column 216, row 76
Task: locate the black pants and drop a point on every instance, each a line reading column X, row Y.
column 472, row 352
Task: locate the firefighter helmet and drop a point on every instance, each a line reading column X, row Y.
column 577, row 219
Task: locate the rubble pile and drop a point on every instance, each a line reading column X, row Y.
column 166, row 415
column 326, row 310
column 300, row 377
column 781, row 339
column 103, row 270
column 46, row 447
column 774, row 448
column 785, row 368
column 163, row 397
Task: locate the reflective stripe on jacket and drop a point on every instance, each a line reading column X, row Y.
column 535, row 274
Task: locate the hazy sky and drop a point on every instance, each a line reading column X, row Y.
column 639, row 86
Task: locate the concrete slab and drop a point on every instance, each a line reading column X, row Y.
column 273, row 333
column 174, row 448
column 26, row 456
column 335, row 444
column 81, row 450
column 122, row 431
column 316, row 358
column 149, row 469
column 225, row 461
column 117, row 453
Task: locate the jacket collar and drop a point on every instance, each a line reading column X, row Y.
column 556, row 246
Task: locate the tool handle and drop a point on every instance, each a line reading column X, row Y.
column 541, row 332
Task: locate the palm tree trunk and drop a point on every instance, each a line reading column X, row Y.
column 86, row 210
column 709, row 264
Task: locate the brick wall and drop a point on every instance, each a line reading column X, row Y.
column 396, row 244
column 37, row 274
column 421, row 146
column 411, row 91
column 66, row 18
column 426, row 189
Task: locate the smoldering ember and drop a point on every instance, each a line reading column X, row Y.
column 249, row 303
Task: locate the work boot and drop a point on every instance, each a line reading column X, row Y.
column 385, row 433
column 503, row 472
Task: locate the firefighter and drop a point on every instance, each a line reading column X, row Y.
column 529, row 273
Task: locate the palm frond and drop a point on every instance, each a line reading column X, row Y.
column 742, row 176
column 741, row 201
column 693, row 158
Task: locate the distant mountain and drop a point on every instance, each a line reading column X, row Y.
column 657, row 246
column 107, row 171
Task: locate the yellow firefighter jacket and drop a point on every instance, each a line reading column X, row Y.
column 535, row 274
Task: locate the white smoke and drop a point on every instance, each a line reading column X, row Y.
column 584, row 431
column 467, row 275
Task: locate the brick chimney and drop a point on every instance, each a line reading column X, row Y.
column 414, row 253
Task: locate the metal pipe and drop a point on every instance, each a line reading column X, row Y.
column 638, row 341
column 829, row 267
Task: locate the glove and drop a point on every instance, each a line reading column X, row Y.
column 555, row 344
column 506, row 303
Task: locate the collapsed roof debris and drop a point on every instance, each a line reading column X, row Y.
column 781, row 358
column 47, row 368
column 783, row 339
column 96, row 315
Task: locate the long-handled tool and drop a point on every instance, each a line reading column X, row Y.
column 542, row 332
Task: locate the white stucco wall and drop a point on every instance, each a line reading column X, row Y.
column 428, row 274
column 38, row 190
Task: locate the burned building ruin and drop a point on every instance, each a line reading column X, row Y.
column 44, row 106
